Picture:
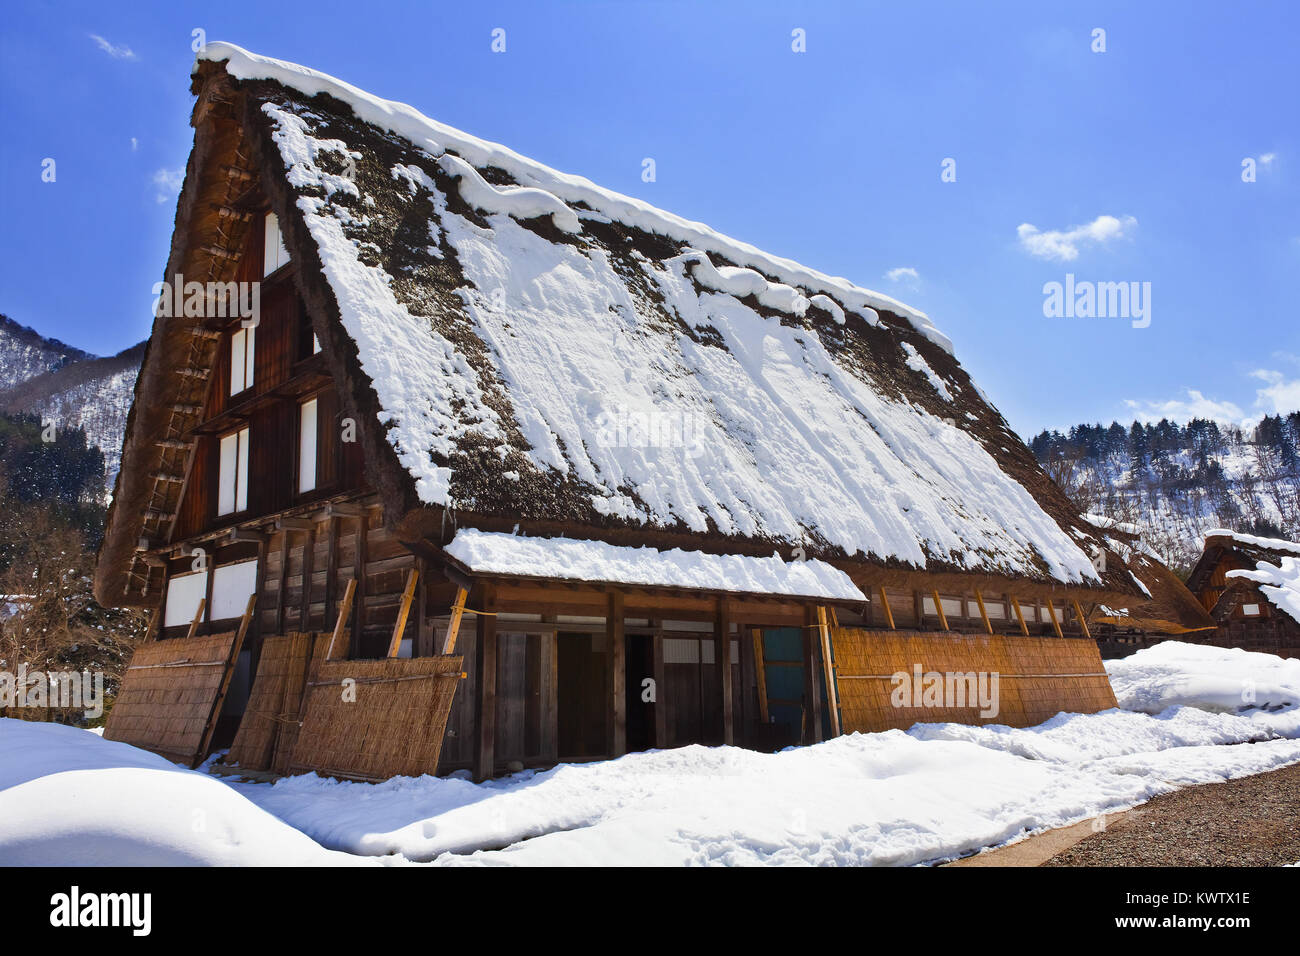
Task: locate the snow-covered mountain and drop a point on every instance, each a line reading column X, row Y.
column 1176, row 482
column 72, row 388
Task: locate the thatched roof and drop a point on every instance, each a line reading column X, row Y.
column 524, row 347
column 1271, row 565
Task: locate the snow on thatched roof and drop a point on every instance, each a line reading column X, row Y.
column 537, row 348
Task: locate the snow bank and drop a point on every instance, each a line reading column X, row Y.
column 71, row 798
column 596, row 561
column 1219, row 679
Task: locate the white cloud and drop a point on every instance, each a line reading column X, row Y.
column 1064, row 246
column 902, row 272
column 1193, row 405
column 116, row 52
column 1266, row 159
column 1279, row 396
column 168, row 183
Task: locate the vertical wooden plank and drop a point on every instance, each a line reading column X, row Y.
column 760, row 675
column 661, row 686
column 616, row 706
column 550, row 708
column 984, row 614
column 308, row 569
column 918, row 609
column 403, row 612
column 284, row 581
column 828, row 671
column 812, row 699
column 422, row 646
column 359, row 576
column 331, row 568
column 486, row 697
column 722, row 658
column 747, row 714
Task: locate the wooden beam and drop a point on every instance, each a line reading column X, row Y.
column 294, row 524
column 340, row 623
column 722, row 657
column 331, row 568
column 308, row 572
column 403, row 612
column 984, row 614
column 616, row 707
column 1051, row 612
column 1083, row 621
column 828, row 672
column 938, row 609
column 198, row 615
column 884, row 603
column 485, row 697
column 224, row 687
column 453, row 625
column 760, row 675
column 1020, row 615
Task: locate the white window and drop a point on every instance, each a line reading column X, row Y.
column 242, row 346
column 307, row 446
column 231, row 586
column 183, row 595
column 315, row 344
column 1250, row 610
column 232, row 493
column 274, row 253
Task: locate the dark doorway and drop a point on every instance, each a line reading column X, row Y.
column 640, row 713
column 581, row 681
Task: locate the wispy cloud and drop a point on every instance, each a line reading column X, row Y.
column 116, row 52
column 1279, row 395
column 135, row 144
column 1266, row 160
column 1063, row 245
column 902, row 272
column 167, row 182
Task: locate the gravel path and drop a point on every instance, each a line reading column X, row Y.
column 1252, row 821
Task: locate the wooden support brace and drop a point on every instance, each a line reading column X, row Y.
column 403, row 612
column 1083, row 621
column 1051, row 612
column 341, row 622
column 198, row 616
column 938, row 609
column 220, row 700
column 884, row 603
column 453, row 626
column 1020, row 615
column 984, row 614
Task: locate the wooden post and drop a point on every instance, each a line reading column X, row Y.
column 616, row 707
column 284, row 581
column 198, row 616
column 812, row 699
column 422, row 646
column 884, row 603
column 722, row 658
column 331, row 568
column 984, row 614
column 453, row 625
column 1083, row 621
column 661, row 705
column 340, row 624
column 403, row 612
column 550, row 689
column 1051, row 612
column 918, row 610
column 938, row 609
column 1020, row 615
column 828, row 672
column 308, row 572
column 746, row 651
column 760, row 676
column 486, row 696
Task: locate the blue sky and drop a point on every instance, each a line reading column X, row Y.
column 832, row 157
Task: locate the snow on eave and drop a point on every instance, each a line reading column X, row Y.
column 421, row 131
column 1270, row 544
column 1278, row 583
column 574, row 559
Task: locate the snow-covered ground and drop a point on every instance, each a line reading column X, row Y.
column 1187, row 715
